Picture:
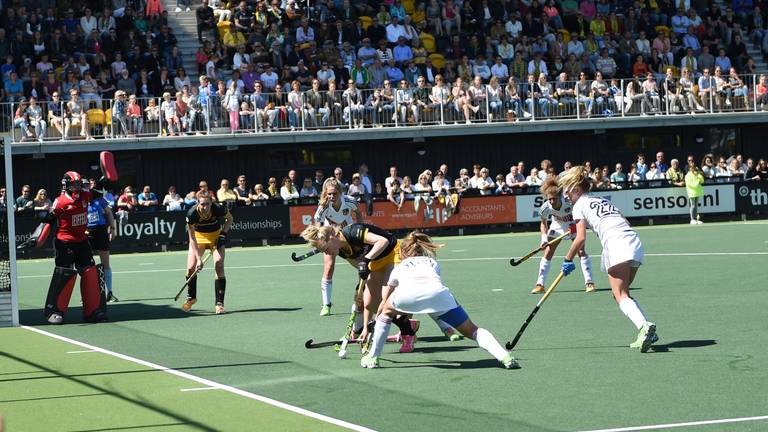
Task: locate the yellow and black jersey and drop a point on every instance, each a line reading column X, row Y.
column 355, row 236
column 211, row 223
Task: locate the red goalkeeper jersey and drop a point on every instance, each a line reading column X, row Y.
column 72, row 215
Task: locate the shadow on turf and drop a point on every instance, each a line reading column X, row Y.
column 474, row 364
column 597, row 290
column 57, row 375
column 123, row 311
column 683, row 344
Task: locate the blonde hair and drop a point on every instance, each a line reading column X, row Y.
column 330, row 181
column 316, row 235
column 203, row 194
column 550, row 188
column 418, row 244
column 575, row 176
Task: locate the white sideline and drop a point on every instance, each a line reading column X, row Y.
column 209, row 383
column 677, row 425
column 691, row 254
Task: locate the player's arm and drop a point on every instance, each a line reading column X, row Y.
column 111, row 223
column 378, row 243
column 578, row 242
column 543, row 227
column 358, row 214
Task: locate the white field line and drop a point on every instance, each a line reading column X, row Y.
column 681, row 254
column 677, row 425
column 199, row 389
column 209, row 383
column 81, row 352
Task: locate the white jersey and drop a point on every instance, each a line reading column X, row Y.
column 562, row 218
column 419, row 287
column 342, row 217
column 602, row 217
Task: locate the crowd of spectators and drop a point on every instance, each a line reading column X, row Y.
column 285, row 65
column 427, row 187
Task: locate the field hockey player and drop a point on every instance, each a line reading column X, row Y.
column 374, row 253
column 207, row 231
column 336, row 209
column 415, row 287
column 622, row 251
column 559, row 209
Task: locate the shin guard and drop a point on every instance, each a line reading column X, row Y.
column 60, row 291
column 192, row 287
column 94, row 294
column 221, row 287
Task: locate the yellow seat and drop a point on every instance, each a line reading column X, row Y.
column 108, row 118
column 410, row 6
column 428, row 41
column 223, row 28
column 438, row 60
column 365, row 21
column 566, row 35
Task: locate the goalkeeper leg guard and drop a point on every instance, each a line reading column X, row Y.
column 59, row 293
column 94, row 295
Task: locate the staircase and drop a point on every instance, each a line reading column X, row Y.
column 752, row 49
column 184, row 26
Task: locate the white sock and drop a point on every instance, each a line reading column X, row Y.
column 380, row 332
column 326, row 287
column 444, row 326
column 632, row 310
column 358, row 327
column 489, row 343
column 543, row 270
column 586, row 268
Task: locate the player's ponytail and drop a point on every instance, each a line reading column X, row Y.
column 316, row 235
column 550, row 187
column 418, row 244
column 575, row 176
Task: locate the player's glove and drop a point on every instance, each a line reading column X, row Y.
column 568, row 267
column 222, row 241
column 363, row 269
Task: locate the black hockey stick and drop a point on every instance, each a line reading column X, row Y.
column 513, row 262
column 311, row 344
column 305, row 256
column 528, row 320
column 194, row 273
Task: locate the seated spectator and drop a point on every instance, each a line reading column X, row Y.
column 24, row 203
column 243, row 194
column 225, row 195
column 288, row 191
column 356, row 188
column 308, row 190
column 42, row 205
column 172, row 201
column 422, row 191
column 147, row 200
column 258, row 193
column 674, row 174
column 618, row 178
column 533, row 179
column 501, row 186
column 515, row 180
column 127, row 203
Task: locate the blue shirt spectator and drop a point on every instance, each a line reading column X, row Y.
column 147, row 200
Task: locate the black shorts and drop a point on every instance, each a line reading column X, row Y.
column 98, row 238
column 77, row 253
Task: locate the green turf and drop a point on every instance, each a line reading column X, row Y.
column 578, row 373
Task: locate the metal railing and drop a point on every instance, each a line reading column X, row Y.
column 251, row 113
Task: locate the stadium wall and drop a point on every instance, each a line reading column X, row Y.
column 160, row 165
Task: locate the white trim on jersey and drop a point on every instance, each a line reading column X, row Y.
column 342, row 217
column 561, row 219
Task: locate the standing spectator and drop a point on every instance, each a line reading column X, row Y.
column 392, row 177
column 231, row 103
column 147, row 200
column 485, row 183
column 24, row 204
column 338, row 173
column 661, row 165
column 693, row 185
column 642, row 168
column 356, row 188
column 42, row 205
column 515, row 180
column 533, row 179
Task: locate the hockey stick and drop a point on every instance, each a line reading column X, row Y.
column 351, row 321
column 311, row 344
column 194, row 273
column 305, row 256
column 514, row 263
column 528, row 320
